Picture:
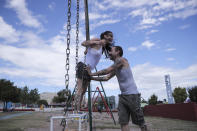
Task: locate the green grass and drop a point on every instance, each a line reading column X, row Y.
column 20, row 123
column 41, row 120
column 7, row 113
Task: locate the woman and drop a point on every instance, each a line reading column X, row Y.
column 94, row 50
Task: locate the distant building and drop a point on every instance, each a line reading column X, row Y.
column 48, row 96
column 169, row 90
column 112, row 102
column 110, row 99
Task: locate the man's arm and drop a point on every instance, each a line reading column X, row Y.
column 110, row 69
column 104, row 78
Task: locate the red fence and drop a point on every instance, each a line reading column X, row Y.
column 183, row 111
column 21, row 110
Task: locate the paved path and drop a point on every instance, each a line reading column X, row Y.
column 14, row 115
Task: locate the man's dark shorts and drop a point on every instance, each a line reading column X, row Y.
column 129, row 106
column 81, row 72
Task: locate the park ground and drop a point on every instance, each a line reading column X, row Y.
column 40, row 121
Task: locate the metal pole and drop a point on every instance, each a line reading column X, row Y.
column 88, row 38
column 87, row 20
column 89, row 107
column 51, row 124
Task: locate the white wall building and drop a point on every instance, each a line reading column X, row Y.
column 48, row 96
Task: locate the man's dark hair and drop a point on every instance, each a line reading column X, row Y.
column 119, row 48
column 104, row 33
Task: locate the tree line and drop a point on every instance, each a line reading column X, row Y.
column 11, row 93
column 180, row 95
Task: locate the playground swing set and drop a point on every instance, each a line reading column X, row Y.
column 80, row 117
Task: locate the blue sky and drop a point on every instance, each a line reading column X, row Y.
column 158, row 38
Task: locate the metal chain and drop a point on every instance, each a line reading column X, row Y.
column 68, row 45
column 76, row 57
column 77, row 40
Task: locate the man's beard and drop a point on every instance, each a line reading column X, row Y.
column 110, row 57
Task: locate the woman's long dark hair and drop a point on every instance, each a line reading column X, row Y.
column 108, row 46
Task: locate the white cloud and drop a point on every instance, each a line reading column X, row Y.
column 137, row 12
column 23, row 13
column 150, row 78
column 170, row 59
column 38, row 63
column 132, row 49
column 169, row 10
column 51, row 6
column 119, row 4
column 110, row 85
column 153, row 13
column 105, row 22
column 100, row 5
column 94, row 16
column 170, row 49
column 7, row 32
column 151, row 32
column 184, row 27
column 31, row 39
column 100, row 15
column 183, row 14
column 41, row 60
column 150, row 12
column 149, row 21
column 148, row 44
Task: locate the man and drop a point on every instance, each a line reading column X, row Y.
column 129, row 99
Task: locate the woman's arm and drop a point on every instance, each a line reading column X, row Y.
column 94, row 41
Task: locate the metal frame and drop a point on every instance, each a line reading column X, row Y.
column 76, row 117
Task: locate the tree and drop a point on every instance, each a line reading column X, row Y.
column 152, row 100
column 25, row 95
column 29, row 97
column 55, row 99
column 44, row 102
column 34, row 96
column 62, row 96
column 164, row 101
column 193, row 94
column 8, row 92
column 143, row 100
column 179, row 94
